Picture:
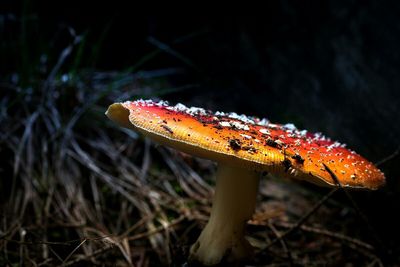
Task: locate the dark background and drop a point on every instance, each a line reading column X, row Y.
column 324, row 65
column 329, row 66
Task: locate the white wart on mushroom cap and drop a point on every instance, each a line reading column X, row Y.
column 249, row 142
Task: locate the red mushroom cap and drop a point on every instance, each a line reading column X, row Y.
column 249, row 142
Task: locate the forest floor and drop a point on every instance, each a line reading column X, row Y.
column 78, row 190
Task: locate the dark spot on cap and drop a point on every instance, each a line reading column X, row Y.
column 234, row 144
column 250, row 149
column 287, row 164
column 272, row 143
column 167, row 129
column 298, row 158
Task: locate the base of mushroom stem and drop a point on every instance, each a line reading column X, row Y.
column 210, row 250
column 233, row 205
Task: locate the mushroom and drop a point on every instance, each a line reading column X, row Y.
column 243, row 147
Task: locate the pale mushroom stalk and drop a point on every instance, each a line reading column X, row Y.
column 233, row 205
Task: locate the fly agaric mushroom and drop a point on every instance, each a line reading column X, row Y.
column 243, row 147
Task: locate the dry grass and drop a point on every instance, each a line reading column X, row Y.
column 78, row 190
column 75, row 187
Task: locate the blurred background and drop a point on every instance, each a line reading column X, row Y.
column 75, row 188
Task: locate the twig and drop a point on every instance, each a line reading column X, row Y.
column 11, row 231
column 45, row 262
column 304, row 218
column 328, row 233
column 63, row 56
column 356, row 208
column 146, row 161
column 283, row 243
column 368, row 254
column 142, row 221
column 64, row 243
column 158, row 229
column 390, row 157
column 169, row 50
column 101, row 250
column 73, row 251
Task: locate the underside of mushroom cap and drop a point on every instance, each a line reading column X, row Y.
column 249, row 142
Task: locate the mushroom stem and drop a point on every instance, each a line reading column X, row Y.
column 233, row 205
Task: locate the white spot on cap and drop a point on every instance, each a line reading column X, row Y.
column 293, row 172
column 303, row 132
column 263, row 122
column 279, row 142
column 224, row 124
column 239, row 125
column 180, row 107
column 273, row 126
column 290, row 126
column 242, row 117
column 246, row 136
